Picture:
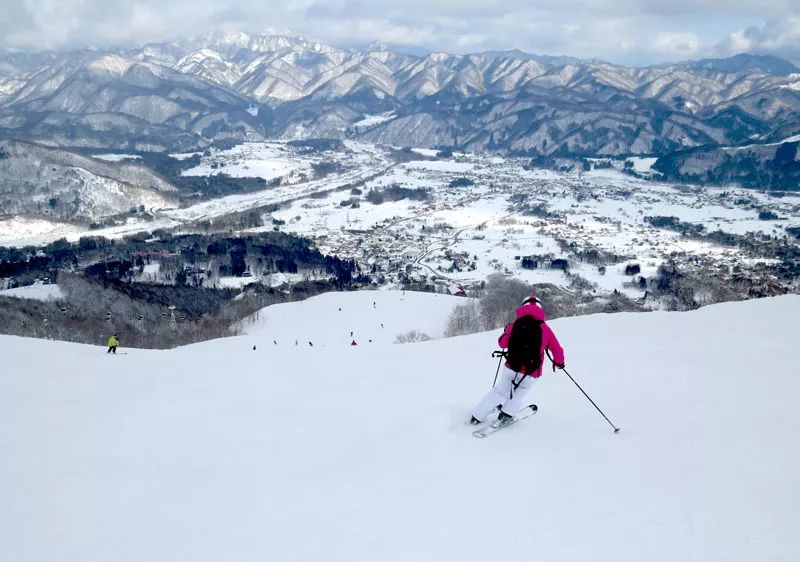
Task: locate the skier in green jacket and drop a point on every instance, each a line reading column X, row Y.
column 113, row 342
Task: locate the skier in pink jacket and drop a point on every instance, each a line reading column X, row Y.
column 527, row 339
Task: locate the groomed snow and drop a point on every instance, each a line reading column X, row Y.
column 38, row 291
column 374, row 317
column 216, row 451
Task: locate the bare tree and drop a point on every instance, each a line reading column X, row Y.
column 411, row 336
column 503, row 295
column 464, row 319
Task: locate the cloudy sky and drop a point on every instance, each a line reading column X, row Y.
column 622, row 31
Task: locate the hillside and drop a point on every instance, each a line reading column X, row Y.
column 219, row 451
column 755, row 165
column 42, row 180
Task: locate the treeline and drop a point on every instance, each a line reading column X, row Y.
column 500, row 296
column 147, row 316
column 689, row 286
column 107, row 259
column 394, row 192
column 102, row 293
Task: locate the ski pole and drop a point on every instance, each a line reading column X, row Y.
column 616, row 429
column 499, row 354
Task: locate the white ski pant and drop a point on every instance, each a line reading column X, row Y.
column 504, row 394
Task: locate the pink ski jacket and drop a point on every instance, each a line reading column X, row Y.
column 549, row 340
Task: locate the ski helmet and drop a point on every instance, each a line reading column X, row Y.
column 532, row 299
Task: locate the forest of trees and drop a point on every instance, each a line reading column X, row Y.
column 779, row 171
column 100, row 280
column 117, row 259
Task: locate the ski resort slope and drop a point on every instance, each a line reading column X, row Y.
column 216, row 451
column 371, row 317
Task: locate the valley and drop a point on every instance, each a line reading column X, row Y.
column 449, row 221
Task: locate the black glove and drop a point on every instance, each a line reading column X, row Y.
column 558, row 365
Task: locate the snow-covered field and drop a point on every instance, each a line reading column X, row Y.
column 23, row 231
column 252, row 159
column 38, row 291
column 217, row 451
column 642, row 165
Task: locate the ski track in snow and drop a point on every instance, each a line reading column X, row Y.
column 216, row 451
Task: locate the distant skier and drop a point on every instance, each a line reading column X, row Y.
column 113, row 342
column 526, row 338
column 353, row 343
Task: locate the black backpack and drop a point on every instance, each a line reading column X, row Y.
column 525, row 345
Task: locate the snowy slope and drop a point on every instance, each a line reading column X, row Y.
column 217, row 452
column 38, row 291
column 375, row 317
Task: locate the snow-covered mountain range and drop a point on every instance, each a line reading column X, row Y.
column 239, row 86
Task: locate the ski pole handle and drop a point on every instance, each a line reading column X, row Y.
column 499, row 353
column 500, row 362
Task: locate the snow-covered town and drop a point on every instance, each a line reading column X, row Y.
column 417, row 216
column 484, row 215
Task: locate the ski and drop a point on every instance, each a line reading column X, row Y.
column 489, row 419
column 526, row 412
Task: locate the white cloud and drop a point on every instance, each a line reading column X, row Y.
column 779, row 37
column 678, row 44
column 626, row 31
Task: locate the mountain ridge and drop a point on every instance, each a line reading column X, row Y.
column 237, row 86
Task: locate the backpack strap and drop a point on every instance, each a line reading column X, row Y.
column 515, row 384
